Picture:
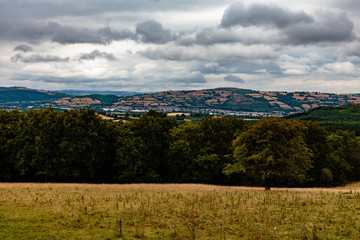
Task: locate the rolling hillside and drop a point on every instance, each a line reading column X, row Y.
column 232, row 99
column 21, row 94
column 240, row 100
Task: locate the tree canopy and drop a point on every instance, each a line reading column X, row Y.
column 274, row 151
column 78, row 146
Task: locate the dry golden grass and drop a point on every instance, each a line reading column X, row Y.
column 176, row 211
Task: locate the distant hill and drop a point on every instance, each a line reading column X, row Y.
column 87, row 100
column 240, row 100
column 344, row 117
column 21, row 94
column 231, row 99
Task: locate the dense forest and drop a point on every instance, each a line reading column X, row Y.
column 345, row 117
column 78, row 146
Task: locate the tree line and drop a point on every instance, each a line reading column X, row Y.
column 78, row 146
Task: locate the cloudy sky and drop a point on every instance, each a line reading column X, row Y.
column 155, row 45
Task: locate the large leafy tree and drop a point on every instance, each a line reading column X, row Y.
column 273, row 151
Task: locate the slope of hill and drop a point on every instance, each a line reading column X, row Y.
column 345, row 117
column 21, row 94
column 240, row 100
column 229, row 99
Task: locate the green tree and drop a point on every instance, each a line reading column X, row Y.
column 316, row 140
column 183, row 150
column 35, row 145
column 8, row 132
column 273, row 151
column 84, row 147
column 198, row 152
column 131, row 163
column 142, row 150
column 344, row 156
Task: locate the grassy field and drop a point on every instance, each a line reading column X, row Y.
column 176, row 211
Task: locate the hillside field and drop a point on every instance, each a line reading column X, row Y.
column 176, row 211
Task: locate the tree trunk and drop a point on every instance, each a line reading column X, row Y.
column 267, row 185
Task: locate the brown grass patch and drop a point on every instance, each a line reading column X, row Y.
column 178, row 113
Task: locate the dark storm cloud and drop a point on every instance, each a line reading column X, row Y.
column 23, row 48
column 258, row 14
column 149, row 31
column 97, row 54
column 32, row 31
column 105, row 35
column 29, row 31
column 232, row 78
column 330, row 26
column 109, row 34
column 211, row 36
column 36, row 58
column 296, row 27
column 153, row 32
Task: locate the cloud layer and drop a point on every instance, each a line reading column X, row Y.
column 159, row 45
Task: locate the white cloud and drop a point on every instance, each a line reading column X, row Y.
column 346, row 68
column 295, row 66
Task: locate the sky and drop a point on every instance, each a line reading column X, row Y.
column 159, row 45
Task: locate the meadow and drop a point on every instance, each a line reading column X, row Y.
column 176, row 211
